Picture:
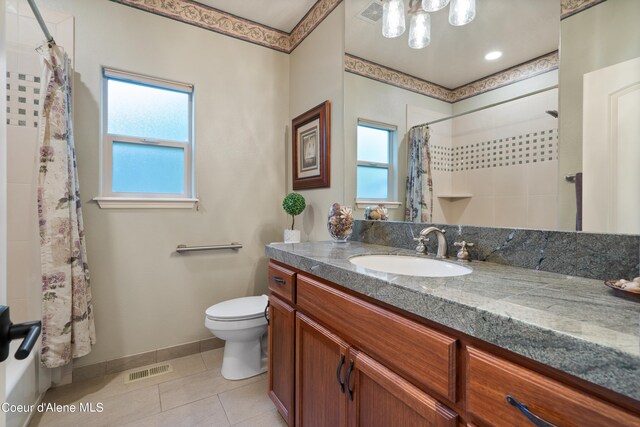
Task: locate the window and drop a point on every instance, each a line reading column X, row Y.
column 375, row 177
column 147, row 141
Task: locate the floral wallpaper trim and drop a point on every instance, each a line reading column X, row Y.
column 206, row 17
column 209, row 18
column 526, row 70
column 311, row 20
column 571, row 7
column 362, row 67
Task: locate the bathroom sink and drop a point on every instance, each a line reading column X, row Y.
column 410, row 265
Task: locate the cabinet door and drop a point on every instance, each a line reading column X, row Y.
column 321, row 359
column 281, row 356
column 504, row 394
column 379, row 397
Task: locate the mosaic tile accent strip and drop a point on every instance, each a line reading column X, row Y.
column 442, row 158
column 371, row 70
column 209, row 18
column 23, row 99
column 362, row 67
column 526, row 70
column 206, row 17
column 534, row 147
column 571, row 7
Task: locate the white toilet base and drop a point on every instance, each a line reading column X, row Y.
column 242, row 359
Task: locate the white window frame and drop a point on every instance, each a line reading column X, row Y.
column 110, row 199
column 390, row 200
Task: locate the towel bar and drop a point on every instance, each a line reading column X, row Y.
column 184, row 248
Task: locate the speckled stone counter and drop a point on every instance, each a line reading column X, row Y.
column 573, row 324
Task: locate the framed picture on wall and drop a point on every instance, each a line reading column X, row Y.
column 311, row 143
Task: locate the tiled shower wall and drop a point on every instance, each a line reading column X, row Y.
column 23, row 109
column 499, row 167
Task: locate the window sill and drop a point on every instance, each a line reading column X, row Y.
column 142, row 203
column 389, row 205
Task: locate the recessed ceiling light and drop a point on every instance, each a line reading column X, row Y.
column 493, row 55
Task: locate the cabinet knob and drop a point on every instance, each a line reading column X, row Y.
column 535, row 420
column 279, row 280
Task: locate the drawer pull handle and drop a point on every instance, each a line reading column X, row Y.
column 279, row 280
column 347, row 379
column 266, row 312
column 536, row 420
column 338, row 373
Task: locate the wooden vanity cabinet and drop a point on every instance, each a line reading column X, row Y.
column 354, row 363
column 321, row 359
column 337, row 385
column 282, row 321
column 491, row 380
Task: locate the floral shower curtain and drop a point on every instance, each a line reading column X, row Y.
column 419, row 203
column 67, row 312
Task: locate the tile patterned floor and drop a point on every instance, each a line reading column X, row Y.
column 194, row 394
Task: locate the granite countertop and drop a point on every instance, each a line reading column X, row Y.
column 573, row 324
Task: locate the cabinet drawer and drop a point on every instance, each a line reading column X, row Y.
column 491, row 379
column 418, row 353
column 282, row 282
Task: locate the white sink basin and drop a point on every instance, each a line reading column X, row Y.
column 410, row 265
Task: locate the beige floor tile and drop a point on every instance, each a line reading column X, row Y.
column 182, row 367
column 213, row 358
column 118, row 410
column 246, row 402
column 205, row 412
column 195, row 387
column 113, row 384
column 76, row 391
column 268, row 419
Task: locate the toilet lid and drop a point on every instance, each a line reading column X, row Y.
column 238, row 309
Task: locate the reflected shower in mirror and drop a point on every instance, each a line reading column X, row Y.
column 512, row 108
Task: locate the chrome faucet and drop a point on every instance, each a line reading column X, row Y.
column 442, row 242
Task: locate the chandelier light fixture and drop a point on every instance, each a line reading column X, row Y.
column 461, row 12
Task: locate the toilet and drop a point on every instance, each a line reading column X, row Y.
column 241, row 323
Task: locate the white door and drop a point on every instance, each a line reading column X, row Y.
column 3, row 192
column 611, row 149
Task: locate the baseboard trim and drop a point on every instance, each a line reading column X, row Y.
column 142, row 359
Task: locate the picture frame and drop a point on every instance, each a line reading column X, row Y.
column 311, row 134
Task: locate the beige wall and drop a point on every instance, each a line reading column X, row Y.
column 598, row 37
column 146, row 296
column 531, row 199
column 316, row 76
column 372, row 100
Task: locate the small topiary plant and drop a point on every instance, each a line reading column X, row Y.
column 293, row 204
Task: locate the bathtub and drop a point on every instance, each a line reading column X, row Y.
column 26, row 383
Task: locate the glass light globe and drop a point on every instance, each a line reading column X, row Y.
column 462, row 12
column 434, row 5
column 419, row 30
column 393, row 18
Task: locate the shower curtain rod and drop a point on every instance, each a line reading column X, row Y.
column 45, row 30
column 485, row 107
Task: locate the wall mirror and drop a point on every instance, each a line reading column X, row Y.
column 527, row 122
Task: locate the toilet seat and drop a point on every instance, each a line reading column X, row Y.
column 246, row 308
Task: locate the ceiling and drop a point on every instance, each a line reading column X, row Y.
column 280, row 14
column 521, row 29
